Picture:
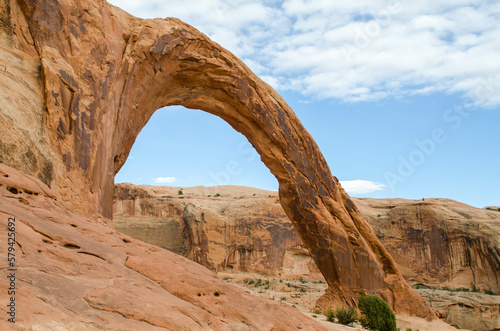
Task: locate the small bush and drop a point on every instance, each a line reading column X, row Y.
column 376, row 314
column 330, row 315
column 249, row 281
column 302, row 280
column 409, row 329
column 346, row 316
column 217, row 195
column 180, row 192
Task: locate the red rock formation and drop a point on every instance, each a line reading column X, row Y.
column 104, row 73
column 75, row 274
column 439, row 242
column 243, row 229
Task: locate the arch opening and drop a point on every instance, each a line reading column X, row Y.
column 209, row 207
column 99, row 94
column 186, row 68
column 188, row 147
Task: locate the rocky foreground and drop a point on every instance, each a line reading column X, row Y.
column 76, row 274
column 80, row 79
column 437, row 243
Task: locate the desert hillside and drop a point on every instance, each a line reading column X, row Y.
column 434, row 241
column 437, row 243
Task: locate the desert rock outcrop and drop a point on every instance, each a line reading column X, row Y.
column 439, row 241
column 436, row 242
column 225, row 228
column 75, row 274
column 466, row 310
column 99, row 74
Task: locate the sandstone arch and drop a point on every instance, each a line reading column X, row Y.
column 105, row 73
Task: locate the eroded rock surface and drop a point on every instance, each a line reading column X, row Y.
column 225, row 228
column 437, row 242
column 75, row 274
column 466, row 310
column 103, row 73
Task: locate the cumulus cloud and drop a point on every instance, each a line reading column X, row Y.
column 165, row 180
column 354, row 50
column 359, row 186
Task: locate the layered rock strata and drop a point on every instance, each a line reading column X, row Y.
column 436, row 242
column 99, row 74
column 75, row 274
column 225, row 228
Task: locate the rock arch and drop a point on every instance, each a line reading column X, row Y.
column 105, row 73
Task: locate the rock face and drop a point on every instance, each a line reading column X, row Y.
column 437, row 242
column 99, row 74
column 75, row 274
column 225, row 228
column 465, row 310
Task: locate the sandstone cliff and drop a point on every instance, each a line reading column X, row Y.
column 437, row 242
column 75, row 274
column 466, row 310
column 84, row 78
column 223, row 228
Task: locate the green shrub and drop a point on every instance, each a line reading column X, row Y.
column 249, row 281
column 376, row 314
column 330, row 315
column 180, row 192
column 346, row 316
column 217, row 195
column 302, row 280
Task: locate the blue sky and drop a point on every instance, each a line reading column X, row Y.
column 402, row 98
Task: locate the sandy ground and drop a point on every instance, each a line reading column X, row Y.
column 302, row 295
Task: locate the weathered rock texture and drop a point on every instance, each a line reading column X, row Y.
column 75, row 274
column 103, row 73
column 243, row 229
column 437, row 242
column 466, row 310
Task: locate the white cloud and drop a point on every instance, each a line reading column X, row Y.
column 354, row 50
column 359, row 186
column 165, row 180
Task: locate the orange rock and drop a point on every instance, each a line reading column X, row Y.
column 103, row 73
column 75, row 274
